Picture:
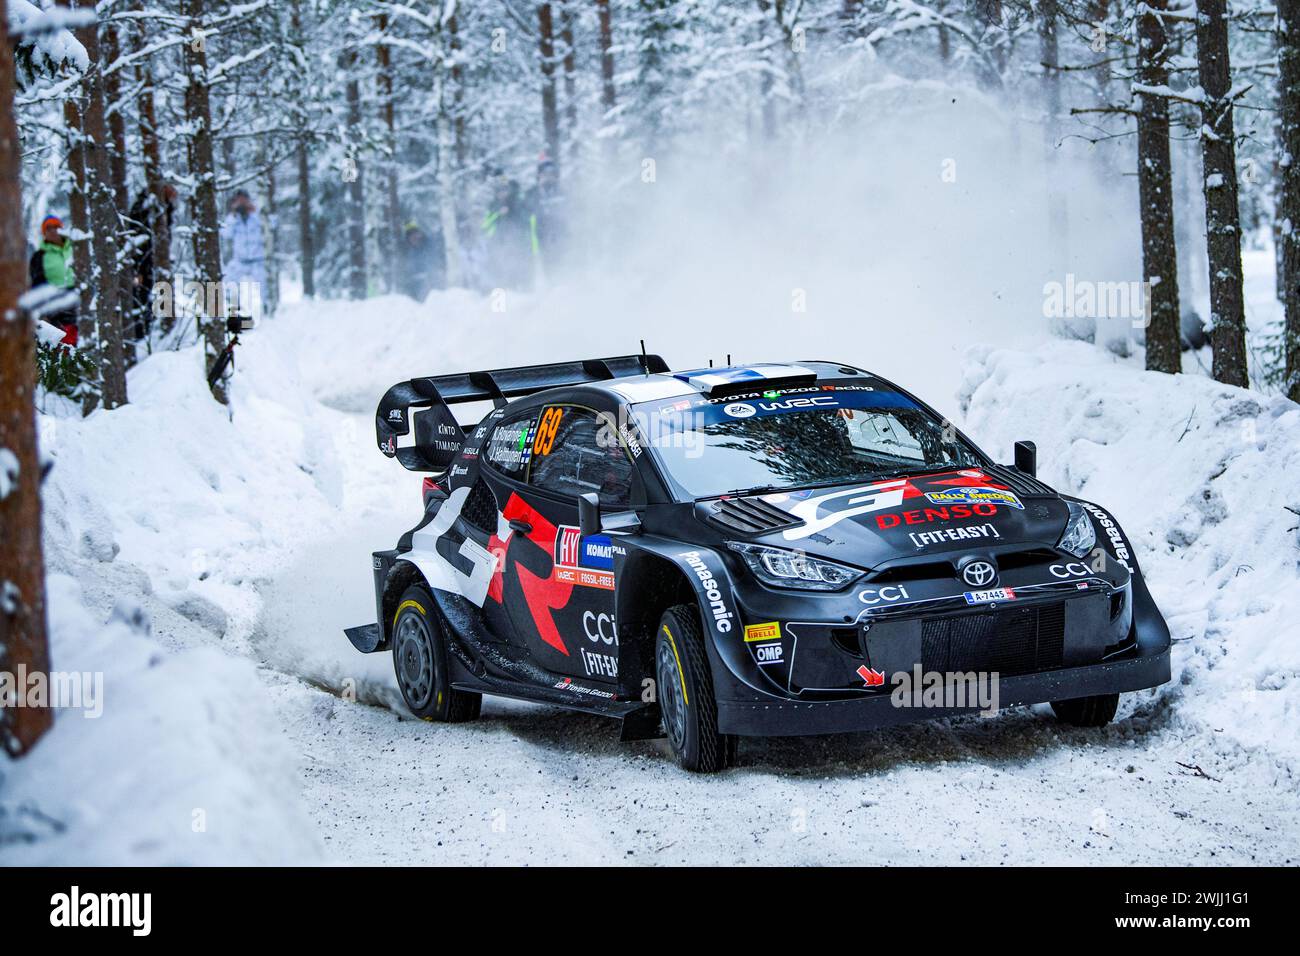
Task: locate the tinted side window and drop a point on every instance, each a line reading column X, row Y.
column 510, row 446
column 573, row 454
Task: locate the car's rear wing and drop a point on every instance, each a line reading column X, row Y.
column 423, row 403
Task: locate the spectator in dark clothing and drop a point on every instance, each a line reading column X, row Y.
column 141, row 232
column 422, row 262
column 51, row 265
column 546, row 225
column 509, row 241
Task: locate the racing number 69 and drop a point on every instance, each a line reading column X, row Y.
column 546, row 429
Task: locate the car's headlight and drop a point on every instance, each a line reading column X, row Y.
column 1080, row 536
column 791, row 569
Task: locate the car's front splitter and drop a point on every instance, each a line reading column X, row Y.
column 790, row 718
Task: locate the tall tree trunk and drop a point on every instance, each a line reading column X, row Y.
column 458, row 95
column 155, row 184
column 1222, row 219
column 112, row 51
column 1155, row 195
column 1099, row 10
column 546, row 51
column 23, row 640
column 1058, row 222
column 608, row 93
column 306, row 242
column 567, row 16
column 945, row 41
column 203, row 170
column 306, row 237
column 447, row 186
column 356, row 184
column 271, row 223
column 104, row 224
column 389, row 236
column 72, row 113
column 1288, row 203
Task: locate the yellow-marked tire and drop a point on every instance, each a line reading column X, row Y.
column 685, row 694
column 420, row 661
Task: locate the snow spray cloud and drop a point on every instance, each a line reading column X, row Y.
column 894, row 241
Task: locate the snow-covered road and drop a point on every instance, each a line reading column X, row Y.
column 533, row 784
column 247, row 544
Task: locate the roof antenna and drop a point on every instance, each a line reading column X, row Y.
column 645, row 365
column 728, row 359
column 710, row 363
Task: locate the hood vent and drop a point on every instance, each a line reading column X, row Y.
column 1024, row 485
column 750, row 515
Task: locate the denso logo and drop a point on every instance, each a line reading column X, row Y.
column 890, row 592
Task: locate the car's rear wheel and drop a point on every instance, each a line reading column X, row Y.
column 1087, row 711
column 685, row 694
column 420, row 661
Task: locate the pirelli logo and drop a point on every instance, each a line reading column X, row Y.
column 770, row 631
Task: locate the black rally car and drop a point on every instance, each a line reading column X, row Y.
column 756, row 550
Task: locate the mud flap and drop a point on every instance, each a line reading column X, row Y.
column 641, row 724
column 367, row 638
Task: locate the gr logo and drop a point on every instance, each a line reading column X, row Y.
column 1072, row 570
column 599, row 627
column 890, row 592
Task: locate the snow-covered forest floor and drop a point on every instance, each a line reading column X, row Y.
column 229, row 733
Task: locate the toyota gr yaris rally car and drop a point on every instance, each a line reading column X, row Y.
column 761, row 550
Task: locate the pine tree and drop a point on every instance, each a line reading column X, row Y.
column 1222, row 217
column 1288, row 201
column 1155, row 192
column 23, row 640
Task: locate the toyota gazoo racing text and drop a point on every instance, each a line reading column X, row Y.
column 760, row 550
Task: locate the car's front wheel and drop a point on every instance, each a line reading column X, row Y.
column 1087, row 711
column 420, row 660
column 685, row 694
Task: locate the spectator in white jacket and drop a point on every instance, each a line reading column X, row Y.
column 243, row 253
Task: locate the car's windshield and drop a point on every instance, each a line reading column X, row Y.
column 789, row 438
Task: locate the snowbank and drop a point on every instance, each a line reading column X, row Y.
column 1203, row 478
column 178, row 769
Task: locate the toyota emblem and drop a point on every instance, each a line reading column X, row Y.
column 979, row 574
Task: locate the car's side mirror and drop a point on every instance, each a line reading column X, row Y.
column 1027, row 457
column 589, row 514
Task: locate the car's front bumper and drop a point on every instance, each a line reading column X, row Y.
column 776, row 717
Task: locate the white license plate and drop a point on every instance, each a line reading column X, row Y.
column 987, row 597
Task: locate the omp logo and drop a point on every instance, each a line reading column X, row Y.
column 769, row 653
column 770, row 631
column 73, row 909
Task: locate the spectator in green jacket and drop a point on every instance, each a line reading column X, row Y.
column 51, row 265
